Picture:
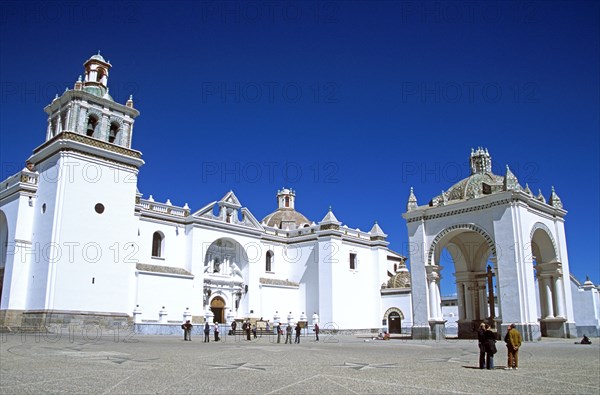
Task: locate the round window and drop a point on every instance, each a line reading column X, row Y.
column 99, row 208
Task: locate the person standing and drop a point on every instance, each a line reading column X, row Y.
column 288, row 334
column 233, row 326
column 316, row 332
column 248, row 328
column 513, row 343
column 187, row 330
column 279, row 332
column 490, row 347
column 298, row 331
column 481, row 344
column 254, row 330
column 216, row 330
column 206, row 332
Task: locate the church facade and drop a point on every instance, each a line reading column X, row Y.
column 81, row 245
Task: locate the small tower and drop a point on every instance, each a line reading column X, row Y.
column 89, row 110
column 96, row 75
column 285, row 199
column 481, row 161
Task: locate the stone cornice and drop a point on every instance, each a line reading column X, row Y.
column 482, row 203
column 69, row 141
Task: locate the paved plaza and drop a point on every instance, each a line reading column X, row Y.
column 110, row 363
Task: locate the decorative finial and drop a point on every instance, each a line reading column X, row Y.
column 79, row 79
column 329, row 207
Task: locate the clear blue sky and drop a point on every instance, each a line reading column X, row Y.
column 349, row 103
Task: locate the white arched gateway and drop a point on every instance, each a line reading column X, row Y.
column 494, row 232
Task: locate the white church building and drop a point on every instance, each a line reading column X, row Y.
column 80, row 245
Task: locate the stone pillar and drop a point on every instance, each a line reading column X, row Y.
column 468, row 302
column 435, row 311
column 315, row 318
column 560, row 296
column 230, row 316
column 137, row 315
column 548, row 297
column 186, row 314
column 290, row 318
column 460, row 298
column 162, row 315
column 208, row 316
column 483, row 306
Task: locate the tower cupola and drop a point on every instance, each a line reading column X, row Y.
column 481, row 161
column 285, row 198
column 96, row 76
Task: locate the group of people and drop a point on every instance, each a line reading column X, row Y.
column 248, row 328
column 487, row 346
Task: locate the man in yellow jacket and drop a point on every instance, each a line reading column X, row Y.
column 513, row 343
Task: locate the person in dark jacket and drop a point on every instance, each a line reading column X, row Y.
column 481, row 344
column 206, row 332
column 490, row 347
column 187, row 330
column 298, row 331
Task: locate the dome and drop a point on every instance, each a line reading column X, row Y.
column 286, row 219
column 481, row 181
column 98, row 57
column 286, row 216
column 473, row 186
column 399, row 280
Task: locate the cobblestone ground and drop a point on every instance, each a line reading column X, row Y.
column 109, row 363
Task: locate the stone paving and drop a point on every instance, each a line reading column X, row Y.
column 109, row 363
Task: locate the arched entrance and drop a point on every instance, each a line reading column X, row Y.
column 394, row 317
column 471, row 252
column 217, row 306
column 394, row 323
column 225, row 278
column 549, row 275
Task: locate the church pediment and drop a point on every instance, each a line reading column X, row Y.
column 229, row 210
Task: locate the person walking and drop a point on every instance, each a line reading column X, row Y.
column 298, row 331
column 490, row 347
column 316, row 332
column 206, row 332
column 513, row 343
column 233, row 326
column 187, row 330
column 481, row 344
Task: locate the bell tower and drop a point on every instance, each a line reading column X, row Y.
column 84, row 219
column 89, row 109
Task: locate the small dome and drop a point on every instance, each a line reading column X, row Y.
column 399, row 280
column 286, row 219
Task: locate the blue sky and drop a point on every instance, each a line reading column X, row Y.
column 349, row 103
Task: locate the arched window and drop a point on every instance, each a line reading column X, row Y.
column 99, row 75
column 287, row 201
column 114, row 132
column 91, row 125
column 158, row 244
column 269, row 261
